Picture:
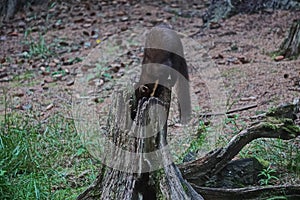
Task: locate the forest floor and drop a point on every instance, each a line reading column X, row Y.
column 45, row 52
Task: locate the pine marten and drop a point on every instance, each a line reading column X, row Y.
column 164, row 65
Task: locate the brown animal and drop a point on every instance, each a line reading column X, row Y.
column 164, row 65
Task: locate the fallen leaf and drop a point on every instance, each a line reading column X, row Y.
column 50, row 106
column 14, row 33
column 52, row 64
column 86, row 33
column 279, row 58
column 48, row 79
column 19, row 93
column 71, row 82
column 86, row 25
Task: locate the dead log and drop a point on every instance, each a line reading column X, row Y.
column 281, row 192
column 290, row 48
column 277, row 123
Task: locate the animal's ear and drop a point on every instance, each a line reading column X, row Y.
column 143, row 89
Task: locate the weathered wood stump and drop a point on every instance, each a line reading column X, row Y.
column 138, row 177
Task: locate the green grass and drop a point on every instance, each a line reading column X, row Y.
column 280, row 158
column 198, row 142
column 42, row 160
column 38, row 47
column 27, row 75
column 266, row 176
column 283, row 154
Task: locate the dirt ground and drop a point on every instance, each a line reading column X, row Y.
column 45, row 50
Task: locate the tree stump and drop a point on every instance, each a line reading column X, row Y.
column 290, row 48
column 134, row 174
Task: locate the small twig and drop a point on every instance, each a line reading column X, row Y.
column 155, row 87
column 228, row 112
column 242, row 108
column 297, row 89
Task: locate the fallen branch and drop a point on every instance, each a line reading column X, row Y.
column 286, row 191
column 228, row 112
column 277, row 123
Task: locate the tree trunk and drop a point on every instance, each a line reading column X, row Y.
column 223, row 9
column 9, row 7
column 290, row 48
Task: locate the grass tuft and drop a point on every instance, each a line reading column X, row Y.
column 41, row 161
